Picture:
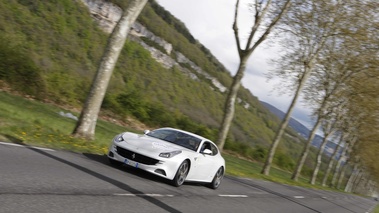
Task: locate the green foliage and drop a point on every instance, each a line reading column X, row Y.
column 259, row 153
column 18, row 70
column 154, row 114
column 133, row 104
column 284, row 161
column 54, row 48
column 45, row 38
column 153, row 44
column 69, row 87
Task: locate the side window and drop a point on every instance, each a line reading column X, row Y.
column 208, row 145
column 214, row 149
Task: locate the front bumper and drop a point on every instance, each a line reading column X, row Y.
column 163, row 167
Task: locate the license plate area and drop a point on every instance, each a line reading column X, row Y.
column 131, row 163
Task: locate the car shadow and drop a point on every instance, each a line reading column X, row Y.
column 135, row 171
column 105, row 178
column 125, row 168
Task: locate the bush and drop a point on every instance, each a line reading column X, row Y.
column 19, row 70
column 259, row 153
column 133, row 104
column 284, row 161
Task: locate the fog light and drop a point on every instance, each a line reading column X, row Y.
column 160, row 171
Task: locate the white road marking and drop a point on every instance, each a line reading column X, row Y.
column 25, row 146
column 143, row 195
column 299, row 197
column 234, row 196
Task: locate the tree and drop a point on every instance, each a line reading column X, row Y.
column 353, row 175
column 337, row 168
column 329, row 128
column 331, row 159
column 306, row 29
column 341, row 175
column 364, row 98
column 266, row 15
column 339, row 62
column 86, row 124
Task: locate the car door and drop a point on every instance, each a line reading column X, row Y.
column 204, row 164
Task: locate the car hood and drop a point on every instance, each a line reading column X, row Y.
column 146, row 143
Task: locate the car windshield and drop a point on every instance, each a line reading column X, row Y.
column 176, row 137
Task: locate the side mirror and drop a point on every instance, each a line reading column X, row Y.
column 146, row 132
column 207, row 152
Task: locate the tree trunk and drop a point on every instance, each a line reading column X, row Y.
column 351, row 178
column 338, row 165
column 283, row 125
column 319, row 158
column 357, row 180
column 354, row 173
column 230, row 103
column 341, row 176
column 86, row 124
column 304, row 154
column 330, row 164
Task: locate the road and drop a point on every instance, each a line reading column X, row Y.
column 43, row 180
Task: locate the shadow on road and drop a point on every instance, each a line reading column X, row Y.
column 125, row 168
column 121, row 185
column 134, row 171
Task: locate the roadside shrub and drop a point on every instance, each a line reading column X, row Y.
column 133, row 104
column 160, row 116
column 19, row 71
column 67, row 87
column 241, row 148
column 284, row 161
column 259, row 153
column 307, row 171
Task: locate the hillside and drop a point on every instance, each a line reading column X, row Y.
column 164, row 77
column 301, row 129
column 293, row 123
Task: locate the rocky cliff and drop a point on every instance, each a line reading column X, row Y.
column 107, row 14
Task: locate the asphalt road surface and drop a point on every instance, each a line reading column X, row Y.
column 43, row 180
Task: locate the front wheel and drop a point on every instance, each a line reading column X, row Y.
column 181, row 174
column 217, row 178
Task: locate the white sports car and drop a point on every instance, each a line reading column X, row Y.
column 173, row 154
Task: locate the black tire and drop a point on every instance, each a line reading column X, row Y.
column 114, row 162
column 181, row 174
column 217, row 178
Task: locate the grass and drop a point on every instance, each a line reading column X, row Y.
column 34, row 123
column 244, row 168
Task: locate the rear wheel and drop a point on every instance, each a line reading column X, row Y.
column 217, row 178
column 181, row 174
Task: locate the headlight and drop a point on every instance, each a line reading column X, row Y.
column 169, row 154
column 119, row 138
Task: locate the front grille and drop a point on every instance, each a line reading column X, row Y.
column 136, row 157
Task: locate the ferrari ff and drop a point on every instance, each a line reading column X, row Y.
column 170, row 153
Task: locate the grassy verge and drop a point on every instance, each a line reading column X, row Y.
column 33, row 123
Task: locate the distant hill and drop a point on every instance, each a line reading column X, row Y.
column 293, row 123
column 299, row 128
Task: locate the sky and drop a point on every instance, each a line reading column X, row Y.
column 210, row 22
